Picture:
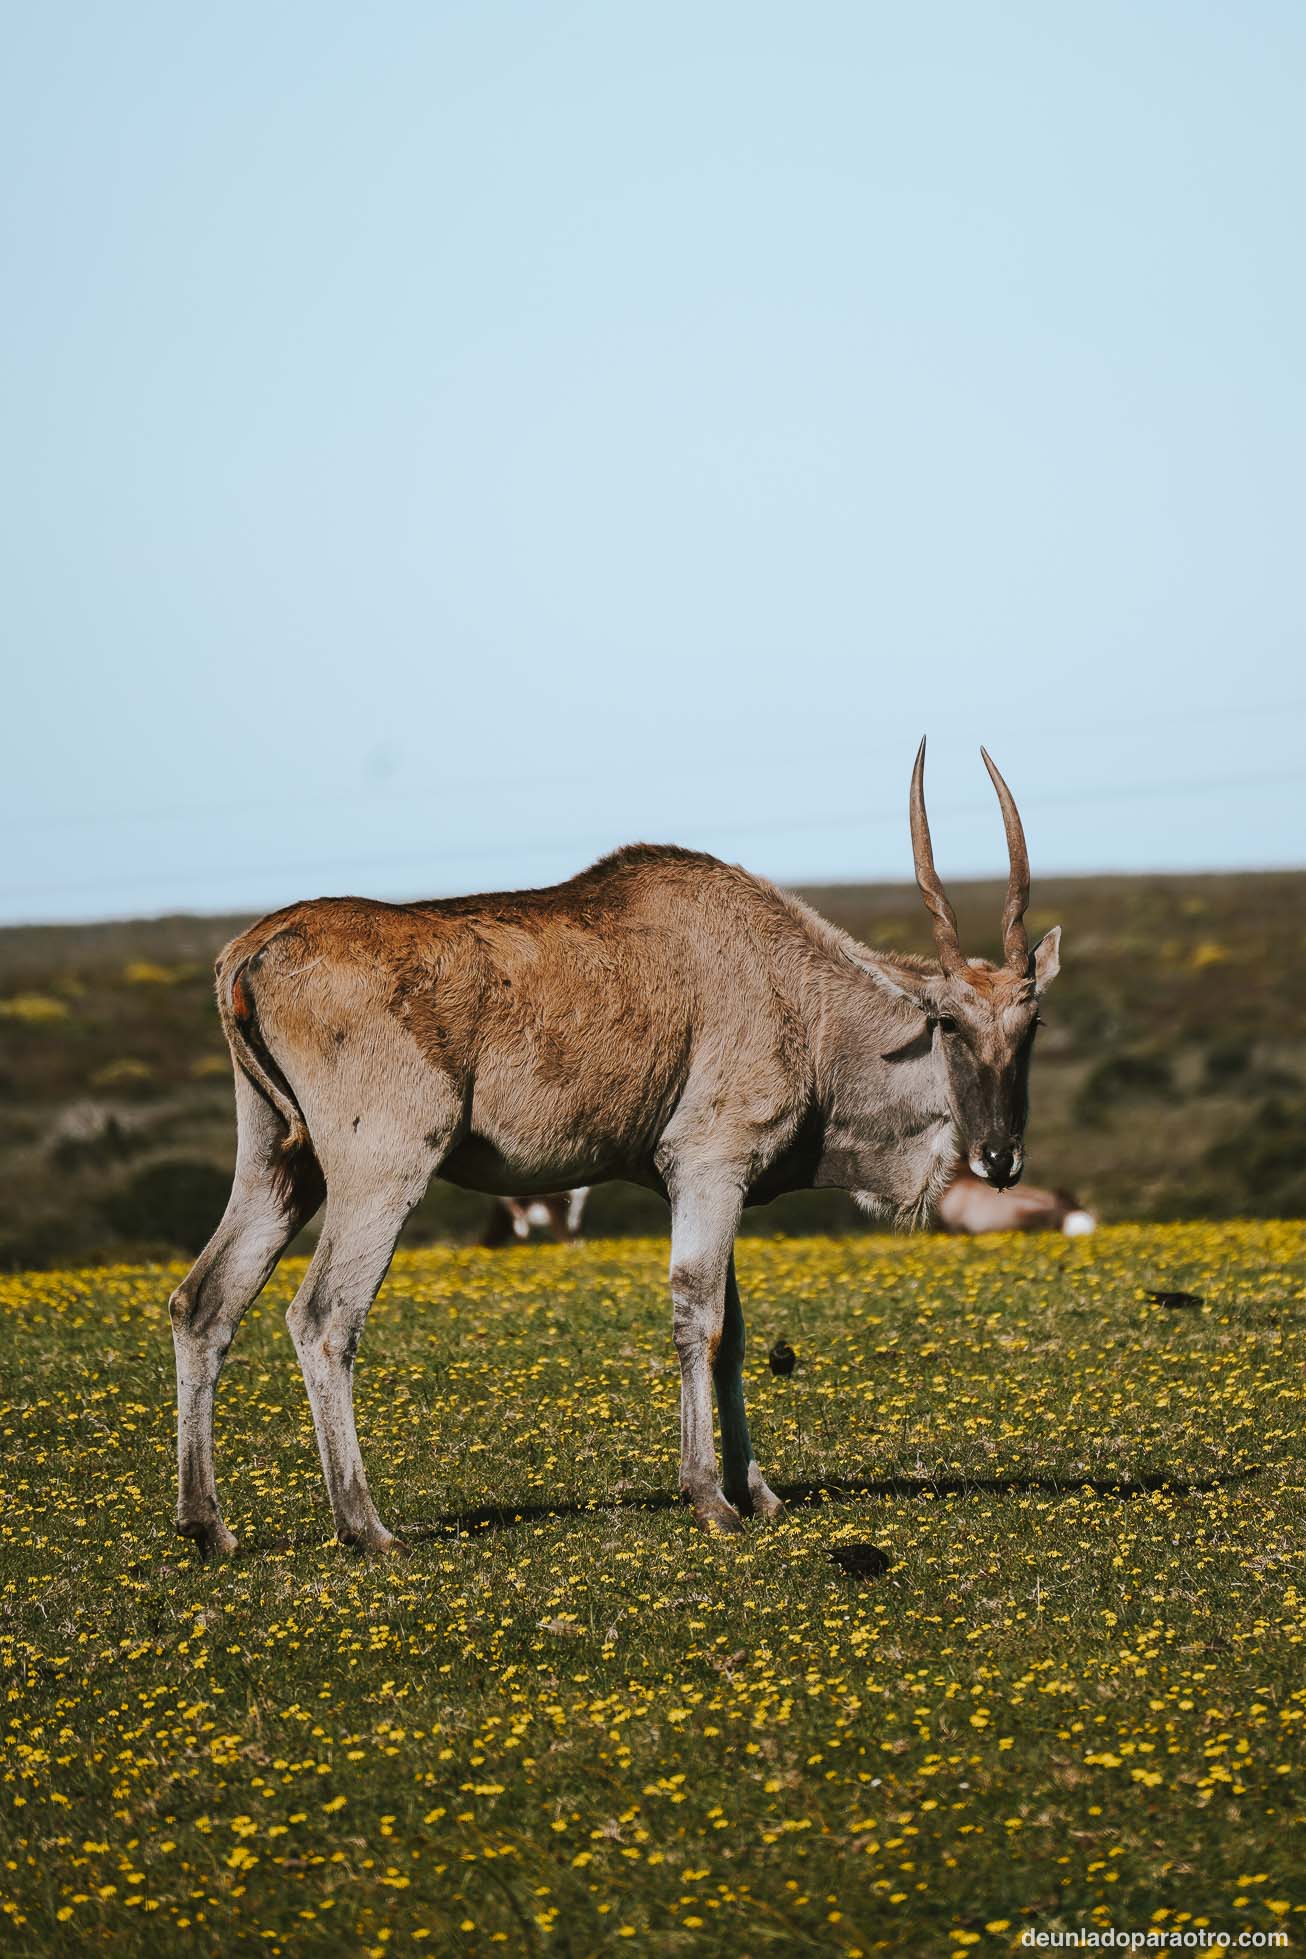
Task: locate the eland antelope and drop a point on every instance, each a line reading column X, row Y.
column 969, row 1206
column 662, row 1017
column 559, row 1212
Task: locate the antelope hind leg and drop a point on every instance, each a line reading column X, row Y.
column 270, row 1201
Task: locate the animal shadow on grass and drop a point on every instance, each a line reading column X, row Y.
column 509, row 1516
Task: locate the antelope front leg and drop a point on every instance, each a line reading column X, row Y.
column 742, row 1480
column 703, row 1220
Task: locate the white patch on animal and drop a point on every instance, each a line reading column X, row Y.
column 1079, row 1224
column 576, row 1208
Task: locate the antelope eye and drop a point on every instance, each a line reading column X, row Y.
column 945, row 1025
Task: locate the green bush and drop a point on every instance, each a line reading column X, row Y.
column 1261, row 1168
column 176, row 1202
column 1226, row 1064
column 1129, row 1076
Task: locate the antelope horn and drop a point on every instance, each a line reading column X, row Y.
column 1015, row 943
column 936, row 898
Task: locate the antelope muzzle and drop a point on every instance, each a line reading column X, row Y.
column 999, row 1162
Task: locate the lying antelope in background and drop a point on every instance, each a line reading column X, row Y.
column 558, row 1212
column 662, row 1017
column 968, row 1205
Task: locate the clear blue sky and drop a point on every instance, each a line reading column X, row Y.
column 441, row 442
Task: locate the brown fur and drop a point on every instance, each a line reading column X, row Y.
column 581, row 1004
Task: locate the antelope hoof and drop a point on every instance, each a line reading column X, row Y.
column 762, row 1506
column 713, row 1513
column 763, row 1501
column 211, row 1539
column 376, row 1541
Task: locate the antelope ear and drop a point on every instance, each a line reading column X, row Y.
column 900, row 983
column 1045, row 961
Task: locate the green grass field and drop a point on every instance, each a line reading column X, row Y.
column 567, row 1722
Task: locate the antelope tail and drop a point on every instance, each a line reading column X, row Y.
column 250, row 1051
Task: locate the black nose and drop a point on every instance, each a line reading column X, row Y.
column 999, row 1162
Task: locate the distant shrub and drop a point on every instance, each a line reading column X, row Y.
column 175, row 1202
column 1259, row 1170
column 1225, row 1062
column 1264, row 1162
column 1232, row 1067
column 33, row 1008
column 1276, row 1081
column 148, row 972
column 1125, row 1077
column 209, row 1067
column 90, row 1135
column 144, row 972
column 37, row 1242
column 126, row 1074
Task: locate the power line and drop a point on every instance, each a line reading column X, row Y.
column 381, row 862
column 377, row 796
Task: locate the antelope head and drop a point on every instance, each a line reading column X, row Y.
column 982, row 1016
